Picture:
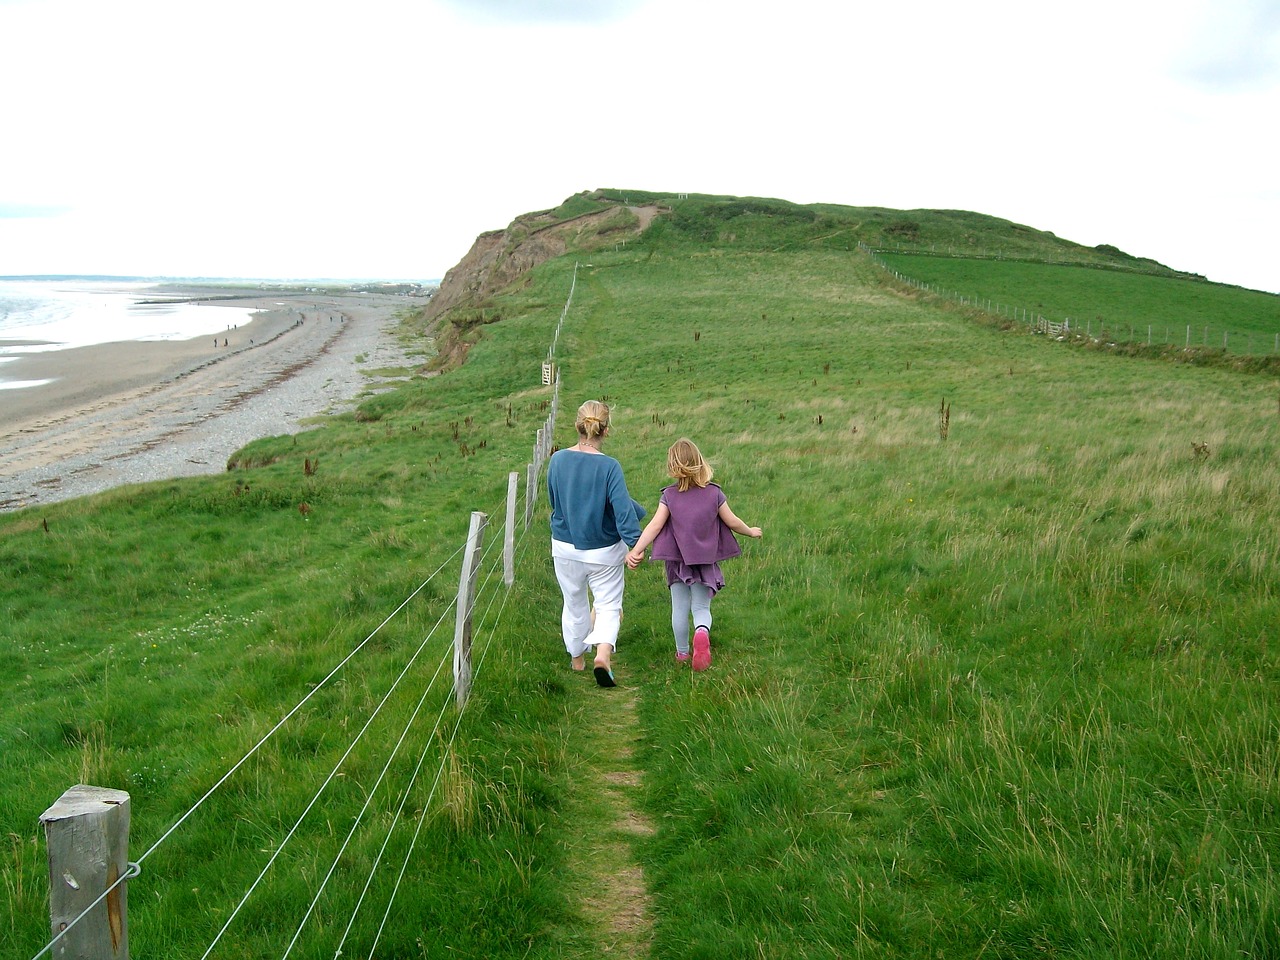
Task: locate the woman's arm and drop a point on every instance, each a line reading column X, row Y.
column 651, row 531
column 737, row 526
column 624, row 506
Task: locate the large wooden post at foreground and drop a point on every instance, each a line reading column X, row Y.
column 87, row 834
column 466, row 606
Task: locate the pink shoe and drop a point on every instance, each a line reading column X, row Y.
column 701, row 648
column 681, row 657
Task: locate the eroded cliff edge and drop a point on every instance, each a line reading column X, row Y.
column 500, row 260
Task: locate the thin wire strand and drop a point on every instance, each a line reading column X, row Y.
column 131, row 871
column 501, row 509
column 492, row 572
column 505, row 595
column 165, row 836
column 135, row 867
column 374, row 789
column 404, row 866
column 404, row 798
column 332, row 773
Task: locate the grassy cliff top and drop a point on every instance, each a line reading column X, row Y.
column 1001, row 678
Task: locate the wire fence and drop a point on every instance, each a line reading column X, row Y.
column 950, row 252
column 1206, row 336
column 491, row 599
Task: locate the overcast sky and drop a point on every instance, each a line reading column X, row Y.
column 281, row 138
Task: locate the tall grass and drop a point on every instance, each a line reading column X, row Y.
column 1007, row 693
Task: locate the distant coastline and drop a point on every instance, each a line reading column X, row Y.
column 138, row 411
column 235, row 282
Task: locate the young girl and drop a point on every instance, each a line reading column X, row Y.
column 691, row 531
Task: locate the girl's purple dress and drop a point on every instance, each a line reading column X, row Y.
column 694, row 539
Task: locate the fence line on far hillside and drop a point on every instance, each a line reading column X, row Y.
column 1186, row 336
column 948, row 252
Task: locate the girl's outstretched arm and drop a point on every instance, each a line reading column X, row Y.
column 650, row 532
column 737, row 526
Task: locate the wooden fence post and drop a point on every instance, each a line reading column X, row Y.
column 87, row 834
column 466, row 606
column 530, row 493
column 509, row 541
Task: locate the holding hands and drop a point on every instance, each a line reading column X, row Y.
column 636, row 555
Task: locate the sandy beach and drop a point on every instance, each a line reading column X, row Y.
column 138, row 411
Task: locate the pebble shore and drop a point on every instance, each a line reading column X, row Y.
column 193, row 420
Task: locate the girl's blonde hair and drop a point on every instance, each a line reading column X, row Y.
column 686, row 465
column 592, row 420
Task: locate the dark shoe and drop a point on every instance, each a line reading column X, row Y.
column 604, row 677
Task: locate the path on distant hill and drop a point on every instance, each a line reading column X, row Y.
column 645, row 215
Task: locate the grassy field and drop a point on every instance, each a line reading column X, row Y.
column 1001, row 684
column 1106, row 302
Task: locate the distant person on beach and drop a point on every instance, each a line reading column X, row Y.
column 692, row 530
column 593, row 521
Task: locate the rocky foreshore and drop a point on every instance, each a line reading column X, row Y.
column 135, row 412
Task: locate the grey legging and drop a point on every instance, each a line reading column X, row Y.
column 689, row 601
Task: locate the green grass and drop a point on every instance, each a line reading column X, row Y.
column 1104, row 302
column 1009, row 693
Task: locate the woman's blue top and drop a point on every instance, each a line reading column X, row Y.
column 590, row 505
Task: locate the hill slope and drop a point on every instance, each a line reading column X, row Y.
column 501, row 259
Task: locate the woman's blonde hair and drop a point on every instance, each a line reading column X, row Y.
column 685, row 465
column 592, row 420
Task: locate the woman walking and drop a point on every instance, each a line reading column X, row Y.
column 593, row 522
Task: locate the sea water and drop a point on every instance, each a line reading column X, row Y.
column 39, row 315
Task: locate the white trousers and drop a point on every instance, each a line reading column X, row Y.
column 581, row 584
